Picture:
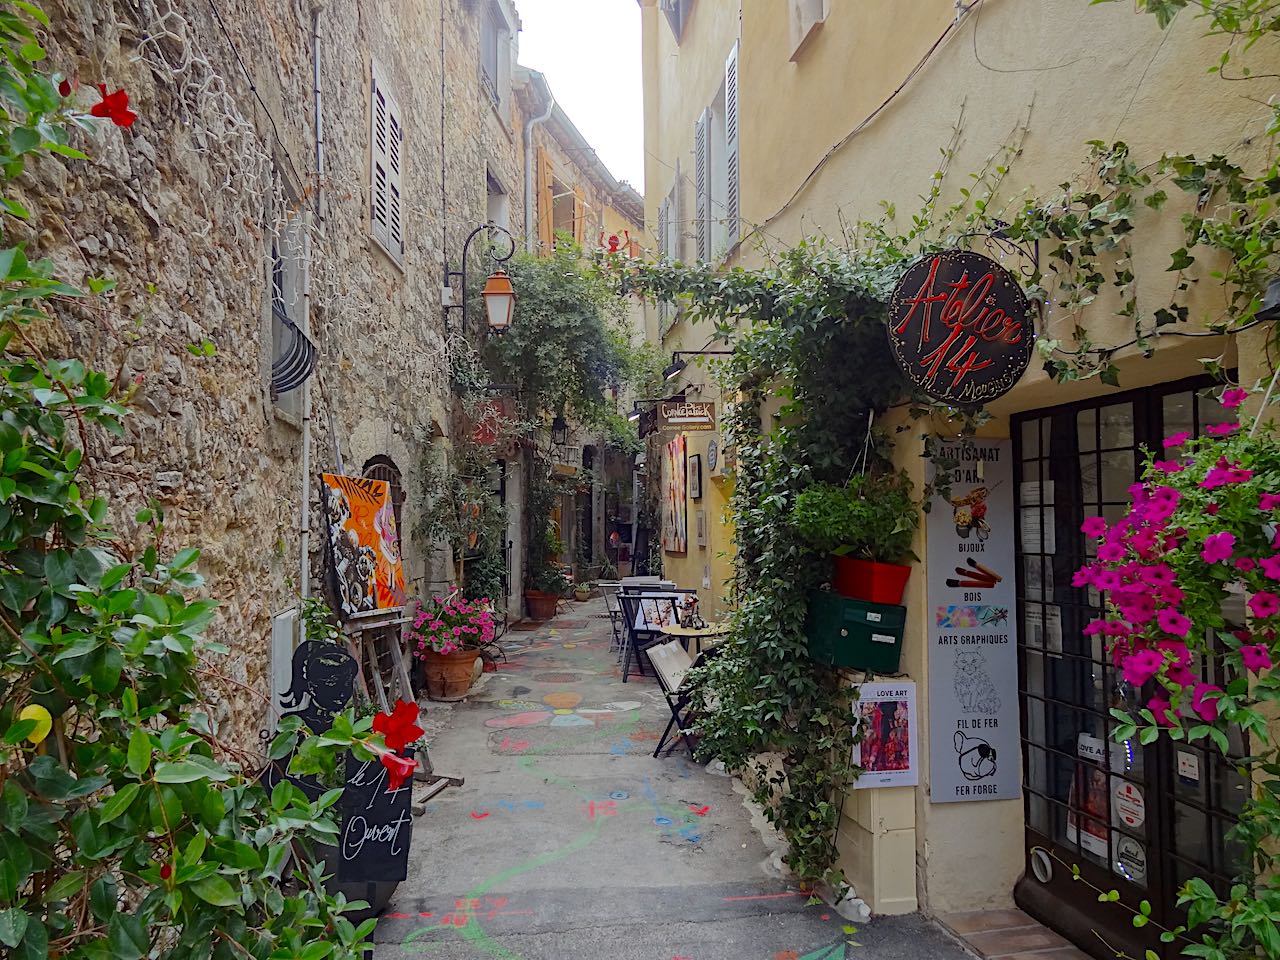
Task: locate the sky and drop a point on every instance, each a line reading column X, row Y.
column 590, row 53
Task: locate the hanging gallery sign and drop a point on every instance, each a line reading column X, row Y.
column 960, row 327
column 884, row 718
column 974, row 742
column 686, row 415
column 363, row 544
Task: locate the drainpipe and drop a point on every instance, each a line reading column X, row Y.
column 529, row 226
column 304, row 524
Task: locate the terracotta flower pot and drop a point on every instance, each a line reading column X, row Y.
column 542, row 606
column 448, row 676
column 870, row 581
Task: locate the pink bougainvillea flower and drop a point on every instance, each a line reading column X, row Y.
column 114, row 106
column 399, row 728
column 1142, row 666
column 1218, row 547
column 1181, row 655
column 1211, row 509
column 1095, row 627
column 1263, row 604
column 64, row 88
column 1094, row 527
column 399, row 769
column 1234, row 397
column 1269, row 501
column 1107, row 580
column 1221, row 429
column 1160, row 708
column 1176, row 440
column 1256, row 657
column 1202, row 704
column 1168, row 466
column 1246, row 565
column 1171, row 621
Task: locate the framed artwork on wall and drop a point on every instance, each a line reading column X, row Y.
column 695, row 476
column 700, row 519
column 675, row 508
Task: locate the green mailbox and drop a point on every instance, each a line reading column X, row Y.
column 844, row 632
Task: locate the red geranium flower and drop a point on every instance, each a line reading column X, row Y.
column 399, row 769
column 399, row 727
column 166, row 871
column 115, row 106
column 64, row 88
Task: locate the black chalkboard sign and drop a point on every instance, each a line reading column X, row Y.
column 376, row 828
column 960, row 327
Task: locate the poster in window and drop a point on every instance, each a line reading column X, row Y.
column 885, row 718
column 1089, row 816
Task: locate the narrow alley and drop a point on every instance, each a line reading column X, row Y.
column 570, row 840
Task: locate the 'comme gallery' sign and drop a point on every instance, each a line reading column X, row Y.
column 960, row 327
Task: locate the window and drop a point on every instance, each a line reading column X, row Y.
column 497, row 206
column 677, row 12
column 288, row 319
column 1075, row 461
column 715, row 155
column 386, row 155
column 495, row 55
column 806, row 16
column 384, row 468
column 563, row 202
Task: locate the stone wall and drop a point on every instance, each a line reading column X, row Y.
column 177, row 210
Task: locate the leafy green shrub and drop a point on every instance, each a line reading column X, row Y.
column 872, row 517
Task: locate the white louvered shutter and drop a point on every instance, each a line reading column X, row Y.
column 701, row 186
column 731, row 205
column 664, row 252
column 283, row 628
column 386, row 156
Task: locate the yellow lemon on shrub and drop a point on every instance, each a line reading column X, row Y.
column 44, row 722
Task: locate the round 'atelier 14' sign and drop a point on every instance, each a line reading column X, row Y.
column 960, row 327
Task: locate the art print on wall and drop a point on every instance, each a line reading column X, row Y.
column 675, row 506
column 364, row 545
column 700, row 526
column 885, row 717
column 695, row 477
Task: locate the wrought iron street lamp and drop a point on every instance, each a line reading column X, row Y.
column 677, row 365
column 499, row 295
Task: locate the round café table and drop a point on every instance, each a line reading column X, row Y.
column 697, row 639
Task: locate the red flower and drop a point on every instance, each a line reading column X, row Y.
column 399, row 727
column 399, row 769
column 166, row 871
column 115, row 106
column 64, row 88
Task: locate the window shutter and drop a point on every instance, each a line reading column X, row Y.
column 546, row 230
column 701, row 182
column 579, row 216
column 283, row 628
column 732, row 211
column 664, row 252
column 395, row 178
column 379, row 164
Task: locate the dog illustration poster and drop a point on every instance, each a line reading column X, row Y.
column 675, row 506
column 974, row 748
column 885, row 717
column 364, row 547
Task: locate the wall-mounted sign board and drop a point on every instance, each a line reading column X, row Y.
column 960, row 327
column 974, row 740
column 687, row 415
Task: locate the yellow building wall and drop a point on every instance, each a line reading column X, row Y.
column 1070, row 72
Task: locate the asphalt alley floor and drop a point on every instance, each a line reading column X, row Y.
column 569, row 841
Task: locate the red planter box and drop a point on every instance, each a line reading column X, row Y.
column 870, row 581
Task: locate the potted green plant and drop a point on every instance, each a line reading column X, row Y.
column 582, row 591
column 546, row 585
column 867, row 525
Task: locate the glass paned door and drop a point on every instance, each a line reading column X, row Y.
column 1138, row 819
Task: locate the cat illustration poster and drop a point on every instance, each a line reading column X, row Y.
column 972, row 528
column 884, row 717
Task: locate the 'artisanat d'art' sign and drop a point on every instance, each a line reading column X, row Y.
column 960, row 327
